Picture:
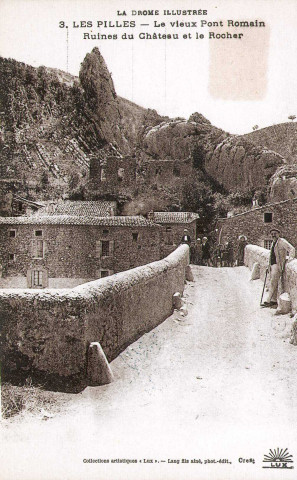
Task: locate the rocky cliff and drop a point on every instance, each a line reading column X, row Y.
column 230, row 160
column 54, row 124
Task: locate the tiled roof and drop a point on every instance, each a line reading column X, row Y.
column 125, row 221
column 80, row 208
column 175, row 217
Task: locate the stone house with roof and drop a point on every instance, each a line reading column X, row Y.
column 173, row 224
column 256, row 224
column 60, row 251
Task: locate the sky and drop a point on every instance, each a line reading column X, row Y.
column 236, row 83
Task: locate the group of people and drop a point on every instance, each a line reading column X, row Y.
column 230, row 255
column 221, row 255
column 200, row 252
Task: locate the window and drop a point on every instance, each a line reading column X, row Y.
column 37, row 278
column 135, row 236
column 11, row 257
column 105, row 232
column 176, row 171
column 38, row 233
column 104, row 273
column 267, row 217
column 267, row 244
column 12, row 233
column 38, row 249
column 105, row 248
column 103, row 175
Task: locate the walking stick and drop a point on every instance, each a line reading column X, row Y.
column 264, row 286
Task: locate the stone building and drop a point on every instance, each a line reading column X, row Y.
column 63, row 251
column 255, row 224
column 173, row 224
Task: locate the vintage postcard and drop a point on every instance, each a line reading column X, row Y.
column 148, row 227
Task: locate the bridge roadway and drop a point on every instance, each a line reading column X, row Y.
column 219, row 383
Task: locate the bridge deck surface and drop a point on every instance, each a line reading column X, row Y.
column 219, row 383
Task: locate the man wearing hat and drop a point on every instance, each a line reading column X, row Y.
column 278, row 257
column 186, row 237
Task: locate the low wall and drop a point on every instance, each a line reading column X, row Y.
column 254, row 254
column 46, row 333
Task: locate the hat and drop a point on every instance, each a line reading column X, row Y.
column 274, row 230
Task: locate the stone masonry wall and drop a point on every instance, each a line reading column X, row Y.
column 251, row 224
column 260, row 255
column 45, row 333
column 70, row 251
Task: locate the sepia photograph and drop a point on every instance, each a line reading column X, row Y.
column 148, row 236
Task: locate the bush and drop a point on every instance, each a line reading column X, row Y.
column 30, row 399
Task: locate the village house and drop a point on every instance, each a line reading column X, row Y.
column 256, row 224
column 173, row 224
column 62, row 251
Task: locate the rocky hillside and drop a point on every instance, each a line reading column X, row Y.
column 54, row 124
column 281, row 138
column 230, row 160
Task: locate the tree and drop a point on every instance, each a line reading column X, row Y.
column 292, row 117
column 198, row 156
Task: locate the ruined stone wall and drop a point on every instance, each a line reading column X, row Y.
column 45, row 333
column 260, row 255
column 252, row 224
column 113, row 175
column 162, row 172
column 72, row 251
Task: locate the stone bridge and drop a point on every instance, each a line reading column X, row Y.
column 219, row 383
column 46, row 334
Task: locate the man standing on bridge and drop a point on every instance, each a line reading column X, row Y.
column 278, row 257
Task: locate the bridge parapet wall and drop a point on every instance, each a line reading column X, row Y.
column 46, row 333
column 253, row 254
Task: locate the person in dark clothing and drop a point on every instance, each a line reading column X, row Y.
column 242, row 242
column 205, row 252
column 217, row 256
column 186, row 237
column 198, row 251
column 230, row 254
